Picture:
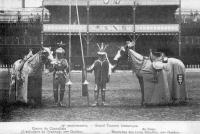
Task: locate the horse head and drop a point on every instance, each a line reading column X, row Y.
column 47, row 54
column 123, row 50
column 128, row 53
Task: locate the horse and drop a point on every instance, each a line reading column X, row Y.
column 171, row 77
column 31, row 67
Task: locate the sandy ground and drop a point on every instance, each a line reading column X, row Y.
column 123, row 95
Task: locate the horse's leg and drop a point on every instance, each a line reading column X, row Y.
column 12, row 89
column 25, row 86
column 140, row 78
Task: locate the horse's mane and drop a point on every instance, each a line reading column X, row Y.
column 136, row 59
column 135, row 55
column 34, row 56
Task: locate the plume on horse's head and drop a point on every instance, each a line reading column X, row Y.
column 130, row 45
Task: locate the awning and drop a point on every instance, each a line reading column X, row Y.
column 111, row 2
column 152, row 29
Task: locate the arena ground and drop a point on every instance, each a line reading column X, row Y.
column 123, row 96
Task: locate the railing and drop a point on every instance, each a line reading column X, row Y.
column 148, row 28
column 13, row 40
column 5, row 66
column 24, row 18
column 110, row 2
column 193, row 66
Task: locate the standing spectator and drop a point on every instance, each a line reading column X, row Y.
column 37, row 18
column 18, row 16
column 31, row 18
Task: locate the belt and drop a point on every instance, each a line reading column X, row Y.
column 59, row 72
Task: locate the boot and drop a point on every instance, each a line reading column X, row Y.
column 103, row 95
column 55, row 94
column 96, row 95
column 62, row 92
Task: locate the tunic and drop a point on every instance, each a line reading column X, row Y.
column 59, row 74
column 101, row 71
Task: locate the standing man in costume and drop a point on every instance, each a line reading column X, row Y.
column 60, row 71
column 102, row 71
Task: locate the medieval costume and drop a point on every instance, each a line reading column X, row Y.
column 102, row 71
column 59, row 76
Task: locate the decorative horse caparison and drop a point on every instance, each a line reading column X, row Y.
column 170, row 86
column 32, row 68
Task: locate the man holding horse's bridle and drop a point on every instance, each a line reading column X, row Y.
column 60, row 71
column 101, row 68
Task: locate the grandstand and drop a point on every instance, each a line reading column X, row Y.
column 20, row 29
column 151, row 23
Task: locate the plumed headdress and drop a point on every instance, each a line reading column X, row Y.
column 102, row 49
column 60, row 43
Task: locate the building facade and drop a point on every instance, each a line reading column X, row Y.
column 190, row 36
column 20, row 29
column 151, row 23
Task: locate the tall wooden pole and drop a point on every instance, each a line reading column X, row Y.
column 42, row 30
column 134, row 12
column 23, row 3
column 179, row 36
column 85, row 85
column 88, row 22
column 84, row 80
column 69, row 82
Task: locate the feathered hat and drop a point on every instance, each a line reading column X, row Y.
column 102, row 49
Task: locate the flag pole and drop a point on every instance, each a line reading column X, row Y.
column 179, row 34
